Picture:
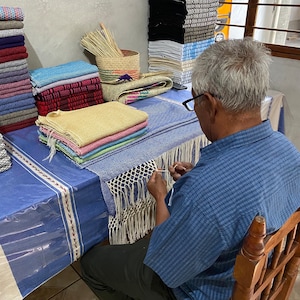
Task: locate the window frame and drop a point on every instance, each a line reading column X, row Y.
column 276, row 50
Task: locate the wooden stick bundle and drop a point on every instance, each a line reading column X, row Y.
column 101, row 43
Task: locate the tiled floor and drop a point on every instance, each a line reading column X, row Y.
column 68, row 285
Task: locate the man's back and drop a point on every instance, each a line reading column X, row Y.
column 252, row 172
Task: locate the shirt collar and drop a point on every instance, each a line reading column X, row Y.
column 239, row 139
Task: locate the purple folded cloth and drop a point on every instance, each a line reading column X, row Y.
column 12, row 45
column 12, row 41
column 4, row 73
column 12, row 79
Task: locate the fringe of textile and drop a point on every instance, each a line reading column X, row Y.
column 135, row 207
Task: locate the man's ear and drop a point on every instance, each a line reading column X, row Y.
column 212, row 106
column 193, row 93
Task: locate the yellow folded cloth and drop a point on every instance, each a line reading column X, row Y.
column 86, row 125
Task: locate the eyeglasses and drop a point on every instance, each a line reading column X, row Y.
column 187, row 103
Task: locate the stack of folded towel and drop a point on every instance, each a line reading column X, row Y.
column 5, row 160
column 178, row 31
column 17, row 104
column 85, row 134
column 66, row 87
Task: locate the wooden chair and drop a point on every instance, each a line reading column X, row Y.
column 267, row 266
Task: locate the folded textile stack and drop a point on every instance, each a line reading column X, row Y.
column 178, row 31
column 66, row 87
column 5, row 160
column 17, row 104
column 89, row 132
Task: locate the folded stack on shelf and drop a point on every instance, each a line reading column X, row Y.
column 178, row 31
column 66, row 87
column 87, row 133
column 5, row 160
column 17, row 104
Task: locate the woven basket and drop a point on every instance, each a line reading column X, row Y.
column 111, row 68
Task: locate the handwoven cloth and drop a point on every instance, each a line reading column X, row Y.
column 11, row 13
column 86, row 125
column 44, row 76
column 11, row 32
column 13, row 65
column 124, row 172
column 92, row 146
column 131, row 91
column 11, row 25
column 5, row 160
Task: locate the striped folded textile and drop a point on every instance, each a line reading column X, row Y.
column 70, row 103
column 11, row 13
column 44, row 76
column 89, row 124
column 173, row 38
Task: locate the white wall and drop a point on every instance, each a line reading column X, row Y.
column 285, row 77
column 53, row 29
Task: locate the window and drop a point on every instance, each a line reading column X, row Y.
column 273, row 22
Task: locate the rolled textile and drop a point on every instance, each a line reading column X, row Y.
column 11, row 13
column 131, row 91
column 86, row 125
column 44, row 76
column 11, row 25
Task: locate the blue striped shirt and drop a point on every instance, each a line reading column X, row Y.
column 255, row 171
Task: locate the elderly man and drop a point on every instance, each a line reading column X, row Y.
column 248, row 169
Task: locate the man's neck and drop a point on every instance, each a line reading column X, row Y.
column 235, row 122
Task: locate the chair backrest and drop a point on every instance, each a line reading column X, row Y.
column 267, row 266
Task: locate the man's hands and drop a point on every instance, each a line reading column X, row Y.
column 180, row 168
column 157, row 187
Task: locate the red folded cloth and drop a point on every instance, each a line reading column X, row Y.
column 69, row 103
column 17, row 125
column 13, row 50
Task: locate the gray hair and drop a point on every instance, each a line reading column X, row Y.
column 236, row 72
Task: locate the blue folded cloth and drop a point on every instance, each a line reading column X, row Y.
column 44, row 76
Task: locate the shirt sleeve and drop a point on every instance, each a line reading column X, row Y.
column 186, row 244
